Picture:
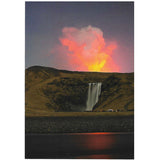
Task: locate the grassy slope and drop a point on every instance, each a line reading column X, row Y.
column 82, row 114
column 49, row 90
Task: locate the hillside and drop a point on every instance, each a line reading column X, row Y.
column 50, row 90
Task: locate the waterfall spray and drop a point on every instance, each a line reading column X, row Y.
column 94, row 91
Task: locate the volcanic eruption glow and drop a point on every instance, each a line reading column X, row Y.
column 87, row 49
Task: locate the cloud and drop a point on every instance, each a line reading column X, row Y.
column 86, row 50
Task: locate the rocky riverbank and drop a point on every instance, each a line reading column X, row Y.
column 80, row 124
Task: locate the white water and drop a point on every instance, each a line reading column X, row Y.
column 94, row 91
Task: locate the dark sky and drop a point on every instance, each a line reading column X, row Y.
column 44, row 22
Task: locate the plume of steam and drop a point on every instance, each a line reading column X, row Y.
column 87, row 49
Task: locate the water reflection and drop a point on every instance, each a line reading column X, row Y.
column 80, row 145
column 95, row 156
column 96, row 141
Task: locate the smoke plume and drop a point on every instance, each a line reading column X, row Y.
column 87, row 49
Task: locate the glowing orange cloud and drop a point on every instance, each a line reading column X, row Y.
column 88, row 50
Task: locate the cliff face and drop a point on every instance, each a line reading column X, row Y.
column 117, row 93
column 51, row 90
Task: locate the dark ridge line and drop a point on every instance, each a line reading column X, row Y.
column 29, row 68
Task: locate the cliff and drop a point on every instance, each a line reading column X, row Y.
column 50, row 90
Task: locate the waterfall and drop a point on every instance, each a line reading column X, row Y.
column 94, row 91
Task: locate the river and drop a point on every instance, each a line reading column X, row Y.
column 100, row 145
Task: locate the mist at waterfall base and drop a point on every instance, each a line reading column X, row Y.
column 94, row 91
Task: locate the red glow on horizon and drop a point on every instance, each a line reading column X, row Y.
column 88, row 50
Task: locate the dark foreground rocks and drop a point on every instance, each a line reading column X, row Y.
column 79, row 124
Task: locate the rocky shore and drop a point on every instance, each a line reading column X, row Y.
column 80, row 124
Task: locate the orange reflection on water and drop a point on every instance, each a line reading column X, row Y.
column 97, row 141
column 100, row 133
column 95, row 156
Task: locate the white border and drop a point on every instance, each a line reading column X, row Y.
column 147, row 79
